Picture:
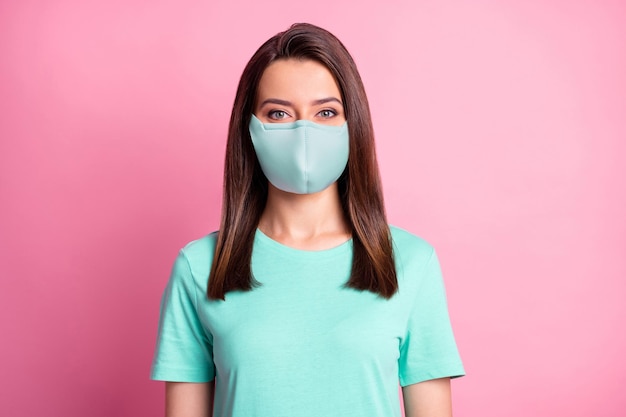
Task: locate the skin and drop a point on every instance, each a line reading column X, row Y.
column 428, row 399
column 291, row 90
column 185, row 399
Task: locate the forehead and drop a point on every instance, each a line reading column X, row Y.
column 294, row 79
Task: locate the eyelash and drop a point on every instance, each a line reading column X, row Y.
column 331, row 111
column 273, row 114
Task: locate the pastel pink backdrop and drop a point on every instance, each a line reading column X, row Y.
column 501, row 137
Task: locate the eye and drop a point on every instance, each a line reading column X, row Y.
column 277, row 114
column 327, row 113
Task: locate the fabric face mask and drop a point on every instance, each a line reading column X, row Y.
column 300, row 157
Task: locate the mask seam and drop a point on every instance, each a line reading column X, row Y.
column 306, row 160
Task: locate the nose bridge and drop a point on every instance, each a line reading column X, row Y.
column 303, row 111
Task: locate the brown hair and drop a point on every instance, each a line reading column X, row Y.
column 245, row 185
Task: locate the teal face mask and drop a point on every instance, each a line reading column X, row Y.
column 300, row 157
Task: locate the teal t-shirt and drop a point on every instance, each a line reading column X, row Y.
column 302, row 344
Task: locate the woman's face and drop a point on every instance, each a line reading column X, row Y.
column 293, row 89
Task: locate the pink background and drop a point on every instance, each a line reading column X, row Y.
column 501, row 136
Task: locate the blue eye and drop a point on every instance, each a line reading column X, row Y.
column 328, row 113
column 277, row 114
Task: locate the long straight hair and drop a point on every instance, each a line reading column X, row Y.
column 245, row 185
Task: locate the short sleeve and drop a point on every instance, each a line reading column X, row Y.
column 184, row 351
column 428, row 350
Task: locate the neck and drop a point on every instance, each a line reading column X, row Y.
column 305, row 221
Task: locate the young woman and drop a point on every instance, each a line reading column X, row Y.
column 305, row 303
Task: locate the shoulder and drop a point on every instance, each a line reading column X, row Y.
column 197, row 257
column 415, row 259
column 201, row 249
column 406, row 244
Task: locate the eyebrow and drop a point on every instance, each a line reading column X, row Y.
column 290, row 104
